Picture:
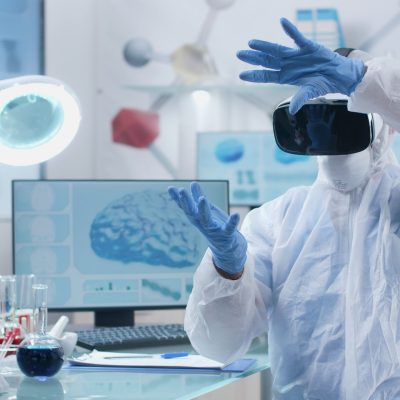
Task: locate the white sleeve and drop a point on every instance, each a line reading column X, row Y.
column 223, row 316
column 379, row 91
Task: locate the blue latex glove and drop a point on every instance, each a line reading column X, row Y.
column 313, row 67
column 227, row 244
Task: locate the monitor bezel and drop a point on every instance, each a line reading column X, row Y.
column 118, row 308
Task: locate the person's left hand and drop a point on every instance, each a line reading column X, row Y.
column 313, row 67
column 226, row 243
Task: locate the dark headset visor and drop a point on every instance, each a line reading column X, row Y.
column 322, row 129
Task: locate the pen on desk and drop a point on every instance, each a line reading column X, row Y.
column 175, row 354
column 165, row 355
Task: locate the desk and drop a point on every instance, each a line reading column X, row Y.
column 93, row 383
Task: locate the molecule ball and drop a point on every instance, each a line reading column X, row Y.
column 138, row 52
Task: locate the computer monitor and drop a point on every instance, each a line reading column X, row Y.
column 257, row 170
column 108, row 246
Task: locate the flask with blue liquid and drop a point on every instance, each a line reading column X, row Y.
column 40, row 355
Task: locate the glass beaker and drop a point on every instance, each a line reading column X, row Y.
column 40, row 355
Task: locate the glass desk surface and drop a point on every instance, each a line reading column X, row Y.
column 98, row 383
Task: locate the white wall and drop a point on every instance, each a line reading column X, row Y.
column 69, row 47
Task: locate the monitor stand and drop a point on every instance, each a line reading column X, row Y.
column 110, row 318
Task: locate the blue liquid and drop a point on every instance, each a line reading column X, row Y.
column 40, row 361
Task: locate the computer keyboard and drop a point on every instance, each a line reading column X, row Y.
column 131, row 336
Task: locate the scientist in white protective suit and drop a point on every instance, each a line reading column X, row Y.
column 318, row 268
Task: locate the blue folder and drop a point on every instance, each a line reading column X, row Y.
column 237, row 366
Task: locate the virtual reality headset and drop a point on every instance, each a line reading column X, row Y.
column 323, row 126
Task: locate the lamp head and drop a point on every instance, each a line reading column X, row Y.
column 39, row 117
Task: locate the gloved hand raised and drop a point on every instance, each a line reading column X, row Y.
column 227, row 244
column 313, row 67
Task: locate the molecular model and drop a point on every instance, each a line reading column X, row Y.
column 191, row 62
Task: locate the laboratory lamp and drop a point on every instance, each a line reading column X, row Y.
column 39, row 117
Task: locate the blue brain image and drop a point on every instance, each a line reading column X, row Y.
column 230, row 150
column 145, row 227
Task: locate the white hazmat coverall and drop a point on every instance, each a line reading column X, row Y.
column 322, row 275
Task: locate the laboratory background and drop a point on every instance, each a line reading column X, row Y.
column 161, row 99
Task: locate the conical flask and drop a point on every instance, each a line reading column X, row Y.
column 40, row 355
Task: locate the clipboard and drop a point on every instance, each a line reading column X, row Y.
column 155, row 363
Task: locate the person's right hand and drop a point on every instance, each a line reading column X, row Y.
column 313, row 67
column 226, row 243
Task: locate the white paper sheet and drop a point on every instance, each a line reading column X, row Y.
column 98, row 358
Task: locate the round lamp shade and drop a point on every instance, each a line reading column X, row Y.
column 39, row 117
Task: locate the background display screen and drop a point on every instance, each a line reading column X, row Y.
column 108, row 243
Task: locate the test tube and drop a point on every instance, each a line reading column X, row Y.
column 40, row 309
column 24, row 301
column 7, row 304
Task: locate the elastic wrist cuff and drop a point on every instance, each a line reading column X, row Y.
column 227, row 275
